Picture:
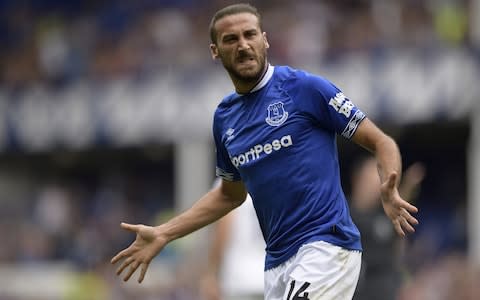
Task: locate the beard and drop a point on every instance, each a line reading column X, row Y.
column 246, row 74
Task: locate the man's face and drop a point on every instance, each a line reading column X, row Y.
column 241, row 46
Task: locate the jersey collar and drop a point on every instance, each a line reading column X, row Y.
column 264, row 80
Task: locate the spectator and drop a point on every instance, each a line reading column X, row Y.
column 381, row 271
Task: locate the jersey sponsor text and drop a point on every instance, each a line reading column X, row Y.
column 257, row 150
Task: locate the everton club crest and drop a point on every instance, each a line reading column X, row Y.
column 276, row 114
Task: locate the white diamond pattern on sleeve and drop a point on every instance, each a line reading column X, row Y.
column 353, row 124
column 225, row 175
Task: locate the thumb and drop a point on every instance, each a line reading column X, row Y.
column 391, row 180
column 130, row 227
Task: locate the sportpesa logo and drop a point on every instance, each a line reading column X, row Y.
column 256, row 151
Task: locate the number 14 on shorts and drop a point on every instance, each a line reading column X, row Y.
column 300, row 293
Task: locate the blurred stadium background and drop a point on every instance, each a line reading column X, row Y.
column 105, row 116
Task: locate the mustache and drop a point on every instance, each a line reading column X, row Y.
column 244, row 54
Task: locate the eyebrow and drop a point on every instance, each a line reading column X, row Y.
column 251, row 31
column 230, row 35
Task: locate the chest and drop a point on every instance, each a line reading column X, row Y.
column 261, row 126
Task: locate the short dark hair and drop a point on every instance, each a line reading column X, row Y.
column 232, row 10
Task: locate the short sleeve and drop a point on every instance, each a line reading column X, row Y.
column 328, row 106
column 224, row 167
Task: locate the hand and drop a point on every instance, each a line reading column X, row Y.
column 398, row 210
column 141, row 252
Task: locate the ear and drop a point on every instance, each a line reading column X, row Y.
column 214, row 51
column 267, row 45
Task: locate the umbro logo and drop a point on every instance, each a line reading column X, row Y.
column 229, row 133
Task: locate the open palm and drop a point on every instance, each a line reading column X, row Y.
column 146, row 246
column 398, row 210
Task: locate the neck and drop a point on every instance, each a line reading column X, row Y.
column 244, row 87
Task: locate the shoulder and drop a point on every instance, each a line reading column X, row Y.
column 304, row 82
column 228, row 100
column 224, row 107
column 301, row 78
column 287, row 73
column 226, row 103
column 314, row 81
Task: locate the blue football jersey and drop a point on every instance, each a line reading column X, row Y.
column 280, row 140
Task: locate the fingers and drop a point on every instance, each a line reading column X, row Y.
column 398, row 228
column 401, row 225
column 125, row 264
column 120, row 255
column 410, row 208
column 132, row 270
column 406, row 209
column 133, row 267
column 134, row 264
column 410, row 219
column 132, row 258
column 143, row 272
column 130, row 227
column 406, row 225
column 124, row 252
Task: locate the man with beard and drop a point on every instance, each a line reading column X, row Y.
column 275, row 136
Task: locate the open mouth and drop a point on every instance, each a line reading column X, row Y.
column 245, row 59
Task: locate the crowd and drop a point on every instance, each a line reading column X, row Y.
column 56, row 209
column 54, row 42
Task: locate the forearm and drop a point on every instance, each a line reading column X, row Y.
column 385, row 149
column 211, row 207
column 150, row 240
column 389, row 164
column 388, row 158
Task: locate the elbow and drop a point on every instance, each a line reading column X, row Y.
column 237, row 201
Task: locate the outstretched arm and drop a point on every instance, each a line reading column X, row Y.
column 389, row 165
column 150, row 240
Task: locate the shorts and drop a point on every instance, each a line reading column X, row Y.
column 319, row 270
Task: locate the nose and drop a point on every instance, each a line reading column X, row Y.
column 243, row 44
